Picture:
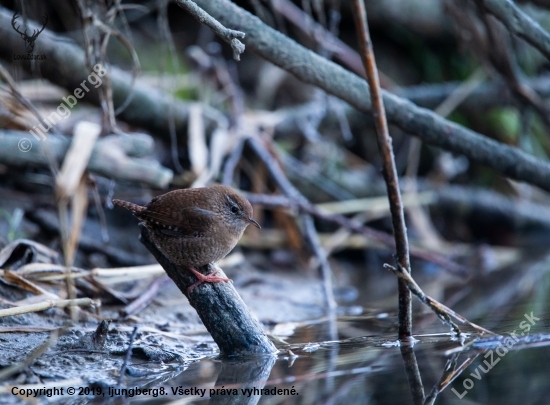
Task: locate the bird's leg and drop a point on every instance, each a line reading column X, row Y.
column 210, row 278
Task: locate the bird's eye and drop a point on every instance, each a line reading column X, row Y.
column 234, row 209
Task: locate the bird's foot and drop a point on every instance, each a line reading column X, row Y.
column 210, row 278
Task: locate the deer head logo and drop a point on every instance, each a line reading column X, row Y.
column 29, row 39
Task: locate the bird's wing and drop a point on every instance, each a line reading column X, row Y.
column 188, row 222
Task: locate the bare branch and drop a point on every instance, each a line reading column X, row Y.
column 519, row 23
column 228, row 35
column 428, row 126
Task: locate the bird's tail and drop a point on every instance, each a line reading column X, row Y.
column 134, row 208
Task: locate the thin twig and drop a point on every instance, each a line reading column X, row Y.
column 99, row 208
column 127, row 357
column 451, row 371
column 443, row 312
column 388, row 165
column 419, row 217
column 96, row 39
column 313, row 238
column 118, row 8
column 228, row 35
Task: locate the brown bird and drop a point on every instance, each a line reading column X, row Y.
column 196, row 226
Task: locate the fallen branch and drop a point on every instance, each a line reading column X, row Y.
column 483, row 97
column 117, row 156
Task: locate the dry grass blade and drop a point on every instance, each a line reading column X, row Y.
column 71, row 186
column 52, row 272
column 79, row 208
column 21, row 98
column 76, row 159
column 42, row 306
column 375, row 206
column 129, row 272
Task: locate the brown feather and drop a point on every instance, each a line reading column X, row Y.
column 194, row 227
column 129, row 206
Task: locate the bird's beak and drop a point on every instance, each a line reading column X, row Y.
column 257, row 225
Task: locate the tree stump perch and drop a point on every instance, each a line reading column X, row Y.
column 221, row 309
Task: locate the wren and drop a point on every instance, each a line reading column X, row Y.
column 196, row 226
